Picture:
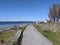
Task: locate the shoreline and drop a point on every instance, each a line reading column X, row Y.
column 6, row 29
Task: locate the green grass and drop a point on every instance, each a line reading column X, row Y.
column 18, row 28
column 52, row 36
column 6, row 36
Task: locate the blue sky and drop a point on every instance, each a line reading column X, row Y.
column 25, row 10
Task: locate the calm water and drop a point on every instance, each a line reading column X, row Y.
column 8, row 24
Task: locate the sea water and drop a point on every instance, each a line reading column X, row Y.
column 9, row 24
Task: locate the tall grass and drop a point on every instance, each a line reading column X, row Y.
column 52, row 36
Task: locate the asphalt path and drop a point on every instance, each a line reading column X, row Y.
column 32, row 37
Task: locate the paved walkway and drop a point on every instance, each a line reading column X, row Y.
column 32, row 37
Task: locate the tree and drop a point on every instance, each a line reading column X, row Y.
column 59, row 12
column 54, row 12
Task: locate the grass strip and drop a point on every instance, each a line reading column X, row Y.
column 6, row 36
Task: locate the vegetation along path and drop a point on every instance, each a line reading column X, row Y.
column 15, row 38
column 32, row 37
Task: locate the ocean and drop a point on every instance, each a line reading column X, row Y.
column 9, row 24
